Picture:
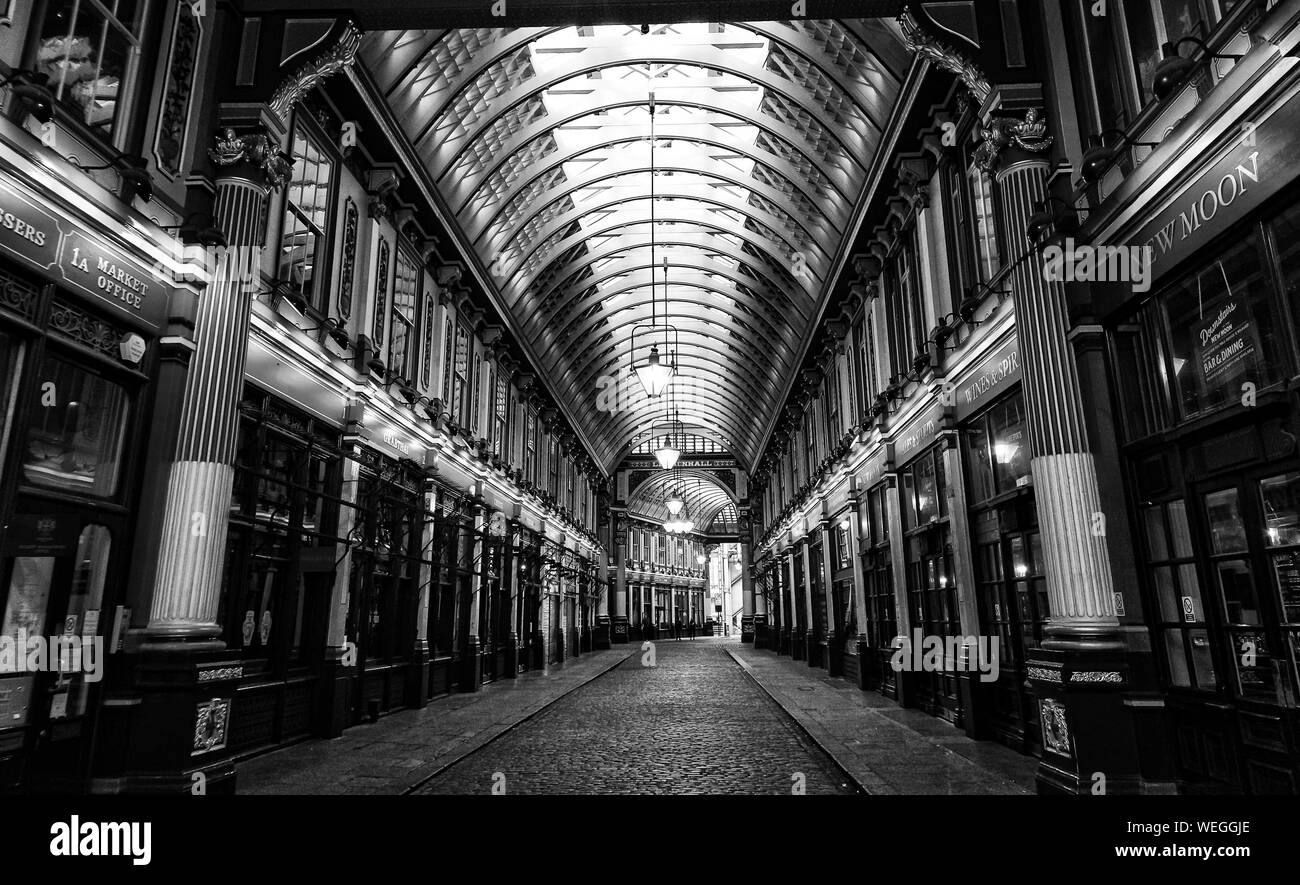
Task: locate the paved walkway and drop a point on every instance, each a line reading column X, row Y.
column 691, row 723
column 886, row 748
column 404, row 748
column 711, row 716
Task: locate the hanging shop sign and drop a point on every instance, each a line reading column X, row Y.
column 918, row 434
column 999, row 371
column 86, row 264
column 1225, row 344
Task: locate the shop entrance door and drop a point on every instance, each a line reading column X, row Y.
column 59, row 568
column 1012, row 596
column 933, row 595
column 1251, row 574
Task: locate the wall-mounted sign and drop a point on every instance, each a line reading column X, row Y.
column 997, row 373
column 36, row 237
column 110, row 276
column 26, row 230
column 1260, row 162
column 918, row 434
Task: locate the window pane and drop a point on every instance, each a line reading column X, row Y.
column 1227, row 534
column 979, row 461
column 75, row 435
column 1177, row 658
column 1182, row 535
column 1153, row 519
column 1010, row 447
column 86, row 55
column 1238, row 588
column 1225, row 332
column 1202, row 660
column 306, row 216
column 1281, row 519
column 1167, row 595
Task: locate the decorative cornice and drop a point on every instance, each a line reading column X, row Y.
column 942, row 55
column 340, row 55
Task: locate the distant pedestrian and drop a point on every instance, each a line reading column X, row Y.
column 691, row 630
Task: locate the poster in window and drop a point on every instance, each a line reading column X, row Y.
column 29, row 593
column 1225, row 345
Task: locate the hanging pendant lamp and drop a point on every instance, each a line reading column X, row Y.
column 657, row 369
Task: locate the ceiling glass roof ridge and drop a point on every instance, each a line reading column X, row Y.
column 538, row 140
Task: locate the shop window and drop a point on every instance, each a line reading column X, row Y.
column 10, row 355
column 460, row 377
column 302, row 258
column 1233, row 575
column 1281, row 504
column 476, row 382
column 998, row 451
column 1225, row 331
column 1122, row 49
column 89, row 49
column 76, row 431
column 1138, row 360
column 530, row 444
column 406, row 294
column 988, row 254
column 447, row 346
column 285, row 502
column 1286, row 238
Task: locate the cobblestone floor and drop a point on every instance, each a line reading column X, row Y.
column 693, row 723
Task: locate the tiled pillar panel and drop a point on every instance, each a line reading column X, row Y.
column 1080, row 673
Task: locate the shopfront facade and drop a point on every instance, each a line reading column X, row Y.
column 1204, row 371
column 86, row 301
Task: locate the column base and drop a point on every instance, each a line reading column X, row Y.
column 1089, row 743
column 798, row 643
column 471, row 667
column 416, row 692
column 165, row 723
column 814, row 649
column 621, row 630
column 511, row 657
column 834, row 658
column 333, row 711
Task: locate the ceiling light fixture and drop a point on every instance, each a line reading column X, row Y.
column 657, row 370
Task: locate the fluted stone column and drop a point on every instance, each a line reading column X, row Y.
column 1079, row 584
column 187, row 584
column 471, row 671
column 859, row 586
column 1080, row 673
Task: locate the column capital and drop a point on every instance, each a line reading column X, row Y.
column 254, row 156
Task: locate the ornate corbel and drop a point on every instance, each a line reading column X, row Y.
column 340, row 54
column 1029, row 135
column 943, row 56
column 257, row 149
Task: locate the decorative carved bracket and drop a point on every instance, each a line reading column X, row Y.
column 341, row 54
column 919, row 41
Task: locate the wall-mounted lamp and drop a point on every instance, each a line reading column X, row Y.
column 32, row 91
column 210, row 236
column 132, row 172
column 1064, row 219
column 1098, row 158
column 1174, row 69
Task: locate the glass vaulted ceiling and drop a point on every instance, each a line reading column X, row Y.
column 538, row 140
